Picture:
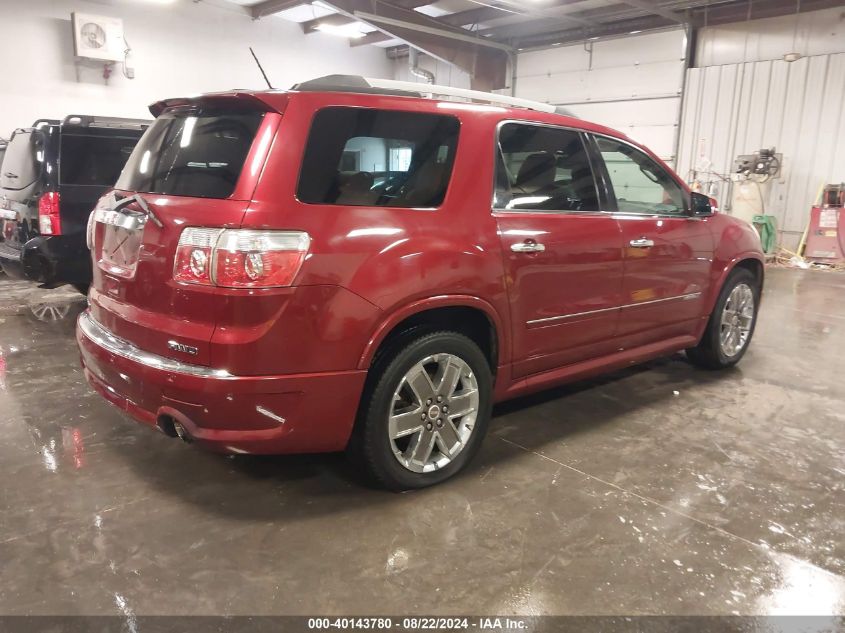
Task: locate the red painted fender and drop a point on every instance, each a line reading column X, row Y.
column 429, row 303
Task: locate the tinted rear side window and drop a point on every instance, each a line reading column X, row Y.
column 367, row 157
column 21, row 166
column 93, row 160
column 191, row 154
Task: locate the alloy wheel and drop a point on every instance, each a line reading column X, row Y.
column 433, row 413
column 737, row 319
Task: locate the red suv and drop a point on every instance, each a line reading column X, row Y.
column 349, row 265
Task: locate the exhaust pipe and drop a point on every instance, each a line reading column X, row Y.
column 173, row 428
column 181, row 433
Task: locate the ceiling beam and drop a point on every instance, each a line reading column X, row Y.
column 462, row 18
column 654, row 8
column 561, row 10
column 484, row 60
column 371, row 38
column 743, row 10
column 269, row 7
column 473, row 16
column 539, row 38
column 540, row 33
column 338, row 19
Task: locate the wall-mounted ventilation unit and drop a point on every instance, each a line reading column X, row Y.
column 98, row 37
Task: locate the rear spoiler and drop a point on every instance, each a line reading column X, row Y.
column 238, row 99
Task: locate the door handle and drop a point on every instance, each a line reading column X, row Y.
column 642, row 243
column 528, row 246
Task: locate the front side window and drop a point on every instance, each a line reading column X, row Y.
column 191, row 153
column 93, row 160
column 543, row 168
column 640, row 184
column 385, row 158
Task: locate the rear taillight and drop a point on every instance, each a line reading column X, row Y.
column 49, row 222
column 239, row 258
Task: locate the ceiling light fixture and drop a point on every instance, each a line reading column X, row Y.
column 352, row 30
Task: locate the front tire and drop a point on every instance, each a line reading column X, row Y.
column 731, row 324
column 426, row 413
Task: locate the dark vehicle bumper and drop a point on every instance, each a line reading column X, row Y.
column 295, row 413
column 10, row 261
column 52, row 260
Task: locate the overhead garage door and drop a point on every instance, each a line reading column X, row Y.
column 602, row 81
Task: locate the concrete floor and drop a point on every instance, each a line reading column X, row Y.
column 660, row 490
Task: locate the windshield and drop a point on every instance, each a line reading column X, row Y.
column 191, row 154
column 20, row 163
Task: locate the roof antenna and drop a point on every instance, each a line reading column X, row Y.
column 269, row 85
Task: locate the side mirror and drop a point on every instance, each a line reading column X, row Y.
column 701, row 205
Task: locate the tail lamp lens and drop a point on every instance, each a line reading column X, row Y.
column 49, row 221
column 240, row 258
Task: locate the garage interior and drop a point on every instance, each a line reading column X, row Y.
column 657, row 490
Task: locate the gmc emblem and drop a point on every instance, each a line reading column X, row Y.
column 181, row 347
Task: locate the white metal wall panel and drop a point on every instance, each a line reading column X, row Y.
column 739, row 108
column 811, row 34
column 632, row 84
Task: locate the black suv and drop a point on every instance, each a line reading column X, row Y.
column 51, row 177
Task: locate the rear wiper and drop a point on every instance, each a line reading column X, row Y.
column 144, row 207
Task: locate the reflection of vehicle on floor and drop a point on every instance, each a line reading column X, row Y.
column 259, row 289
column 52, row 175
column 49, row 312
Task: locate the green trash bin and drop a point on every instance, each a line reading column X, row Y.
column 766, row 227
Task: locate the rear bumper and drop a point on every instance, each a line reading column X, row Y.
column 10, row 261
column 297, row 413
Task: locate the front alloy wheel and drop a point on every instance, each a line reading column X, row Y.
column 731, row 325
column 737, row 318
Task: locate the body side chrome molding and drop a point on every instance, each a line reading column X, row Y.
column 575, row 315
column 100, row 336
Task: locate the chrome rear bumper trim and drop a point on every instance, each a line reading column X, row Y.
column 100, row 336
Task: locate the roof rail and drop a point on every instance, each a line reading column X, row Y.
column 86, row 120
column 368, row 85
column 39, row 123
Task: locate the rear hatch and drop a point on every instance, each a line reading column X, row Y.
column 20, row 185
column 196, row 166
column 91, row 161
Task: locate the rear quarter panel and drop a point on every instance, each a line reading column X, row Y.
column 399, row 261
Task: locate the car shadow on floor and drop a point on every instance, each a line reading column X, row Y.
column 296, row 487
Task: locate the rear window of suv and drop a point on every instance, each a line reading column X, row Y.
column 196, row 154
column 385, row 158
column 93, row 160
column 20, row 164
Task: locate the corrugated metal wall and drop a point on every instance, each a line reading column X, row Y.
column 796, row 107
column 632, row 84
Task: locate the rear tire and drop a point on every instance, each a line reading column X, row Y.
column 425, row 412
column 731, row 325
